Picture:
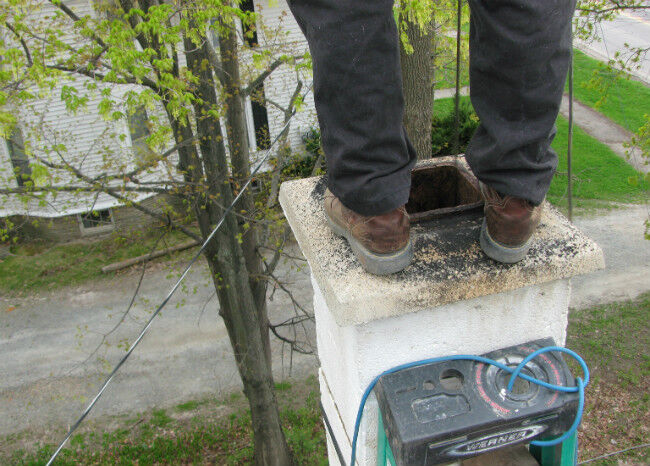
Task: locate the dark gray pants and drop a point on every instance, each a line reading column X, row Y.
column 519, row 57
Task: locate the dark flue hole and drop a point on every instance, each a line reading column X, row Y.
column 440, row 187
column 451, row 379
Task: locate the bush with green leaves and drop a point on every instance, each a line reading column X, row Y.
column 442, row 129
column 442, row 136
column 311, row 139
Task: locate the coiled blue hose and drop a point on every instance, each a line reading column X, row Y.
column 516, row 372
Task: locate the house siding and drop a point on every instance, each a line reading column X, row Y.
column 68, row 228
column 86, row 134
column 280, row 85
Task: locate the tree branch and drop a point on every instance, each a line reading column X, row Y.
column 116, row 195
column 214, row 61
column 275, row 180
column 254, row 84
column 92, row 74
column 22, row 42
column 21, row 190
column 146, row 166
column 72, row 15
column 614, row 8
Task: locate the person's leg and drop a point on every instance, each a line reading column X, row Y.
column 519, row 57
column 358, row 94
column 520, row 52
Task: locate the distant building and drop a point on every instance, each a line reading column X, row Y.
column 69, row 216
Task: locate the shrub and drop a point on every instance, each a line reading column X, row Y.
column 442, row 135
column 442, row 130
column 299, row 165
column 311, row 139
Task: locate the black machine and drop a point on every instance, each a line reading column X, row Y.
column 447, row 411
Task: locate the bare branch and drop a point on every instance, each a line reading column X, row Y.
column 128, row 308
column 269, row 266
column 275, row 180
column 275, row 104
column 618, row 7
column 254, row 84
column 295, row 303
column 114, row 192
column 154, row 214
column 292, row 343
column 22, row 42
column 72, row 15
column 151, row 164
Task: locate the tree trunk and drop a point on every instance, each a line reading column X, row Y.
column 240, row 158
column 417, row 76
column 238, row 312
column 229, row 266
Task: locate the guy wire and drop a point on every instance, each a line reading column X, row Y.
column 171, row 292
column 569, row 151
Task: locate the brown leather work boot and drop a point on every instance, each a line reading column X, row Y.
column 381, row 242
column 508, row 226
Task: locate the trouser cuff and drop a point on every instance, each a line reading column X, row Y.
column 360, row 203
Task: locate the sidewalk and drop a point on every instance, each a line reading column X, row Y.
column 627, row 257
column 603, row 129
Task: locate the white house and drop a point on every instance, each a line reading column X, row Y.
column 86, row 134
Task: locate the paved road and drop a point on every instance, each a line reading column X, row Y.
column 631, row 28
column 185, row 355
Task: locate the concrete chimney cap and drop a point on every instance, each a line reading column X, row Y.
column 448, row 265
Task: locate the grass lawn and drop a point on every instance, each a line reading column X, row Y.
column 446, row 106
column 39, row 265
column 627, row 100
column 195, row 432
column 614, row 340
column 598, row 173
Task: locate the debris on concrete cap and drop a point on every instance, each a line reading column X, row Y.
column 448, row 266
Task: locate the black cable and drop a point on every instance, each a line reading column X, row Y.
column 332, row 436
column 456, row 148
column 168, row 297
column 570, row 135
column 637, row 447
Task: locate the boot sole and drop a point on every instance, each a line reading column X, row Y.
column 376, row 264
column 500, row 252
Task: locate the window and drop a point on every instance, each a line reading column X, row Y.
column 139, row 132
column 97, row 221
column 250, row 31
column 260, row 119
column 18, row 158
